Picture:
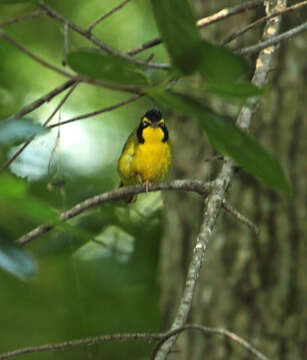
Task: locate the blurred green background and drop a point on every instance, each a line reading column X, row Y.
column 81, row 288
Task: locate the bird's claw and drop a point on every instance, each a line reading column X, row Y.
column 147, row 185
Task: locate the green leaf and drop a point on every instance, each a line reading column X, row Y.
column 187, row 51
column 16, row 260
column 233, row 89
column 230, row 140
column 92, row 63
column 219, row 64
column 15, row 131
column 177, row 27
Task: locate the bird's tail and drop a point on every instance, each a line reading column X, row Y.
column 129, row 198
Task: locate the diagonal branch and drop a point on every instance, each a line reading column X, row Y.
column 79, row 342
column 196, row 186
column 274, row 40
column 94, row 113
column 57, row 108
column 97, row 112
column 66, row 45
column 43, row 99
column 241, row 218
column 214, row 201
column 104, row 47
column 220, row 15
column 250, row 26
column 227, row 12
column 109, row 85
column 18, row 19
column 34, row 57
column 209, row 331
column 106, row 15
column 161, row 337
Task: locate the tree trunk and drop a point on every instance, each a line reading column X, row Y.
column 253, row 286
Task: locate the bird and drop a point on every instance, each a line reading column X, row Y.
column 146, row 156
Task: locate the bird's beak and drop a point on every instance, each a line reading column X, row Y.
column 154, row 124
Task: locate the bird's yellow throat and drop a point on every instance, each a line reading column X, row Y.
column 152, row 135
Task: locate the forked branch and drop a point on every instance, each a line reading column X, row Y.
column 196, row 186
column 215, row 199
column 160, row 337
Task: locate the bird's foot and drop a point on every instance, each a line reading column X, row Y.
column 139, row 178
column 147, row 185
column 140, row 181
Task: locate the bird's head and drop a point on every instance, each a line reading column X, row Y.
column 152, row 127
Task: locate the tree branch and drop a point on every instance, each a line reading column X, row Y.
column 262, row 20
column 214, row 201
column 98, row 112
column 18, row 19
column 86, row 341
column 161, row 337
column 220, row 15
column 241, row 218
column 209, row 331
column 146, row 45
column 196, row 186
column 94, row 113
column 274, row 40
column 43, row 99
column 106, row 48
column 106, row 15
column 227, row 12
column 109, row 85
column 33, row 56
column 66, row 45
column 57, row 108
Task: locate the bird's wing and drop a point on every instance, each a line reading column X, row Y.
column 127, row 155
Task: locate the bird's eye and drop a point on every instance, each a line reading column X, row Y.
column 162, row 125
column 146, row 123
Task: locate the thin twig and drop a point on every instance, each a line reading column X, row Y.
column 220, row 15
column 33, row 56
column 43, row 99
column 33, row 106
column 94, row 113
column 213, row 158
column 106, row 48
column 274, row 40
column 57, row 108
column 79, row 342
column 66, row 44
column 109, row 85
column 214, row 201
column 238, row 33
column 18, row 19
column 135, row 89
column 98, row 112
column 111, row 12
column 235, row 213
column 209, row 331
column 146, row 45
column 161, row 337
column 197, row 186
column 227, row 12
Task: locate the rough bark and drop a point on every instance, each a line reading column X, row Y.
column 251, row 285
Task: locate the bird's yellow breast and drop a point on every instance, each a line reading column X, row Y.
column 153, row 157
column 147, row 161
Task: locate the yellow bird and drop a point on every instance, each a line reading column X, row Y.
column 146, row 156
